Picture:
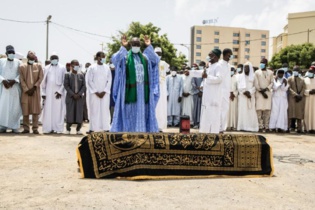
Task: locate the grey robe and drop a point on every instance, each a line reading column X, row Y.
column 74, row 107
column 196, row 83
column 174, row 90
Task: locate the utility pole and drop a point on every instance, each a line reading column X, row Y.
column 102, row 44
column 47, row 32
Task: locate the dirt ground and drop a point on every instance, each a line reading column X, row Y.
column 40, row 172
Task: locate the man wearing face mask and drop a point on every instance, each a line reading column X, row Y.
column 99, row 81
column 162, row 103
column 232, row 116
column 10, row 92
column 310, row 101
column 31, row 76
column 197, row 95
column 296, row 98
column 53, row 92
column 174, row 85
column 263, row 82
column 74, row 84
column 285, row 68
column 136, row 87
column 279, row 110
column 226, row 87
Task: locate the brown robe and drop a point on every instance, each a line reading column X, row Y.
column 297, row 87
column 30, row 76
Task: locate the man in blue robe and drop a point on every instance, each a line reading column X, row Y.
column 136, row 87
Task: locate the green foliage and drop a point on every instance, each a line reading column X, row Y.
column 301, row 55
column 136, row 29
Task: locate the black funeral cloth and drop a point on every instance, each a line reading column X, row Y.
column 173, row 155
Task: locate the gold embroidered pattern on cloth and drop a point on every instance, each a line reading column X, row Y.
column 121, row 152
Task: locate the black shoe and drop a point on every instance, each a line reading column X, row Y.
column 177, row 125
column 89, row 132
column 25, row 131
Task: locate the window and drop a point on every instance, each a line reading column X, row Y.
column 236, row 34
column 236, row 42
column 235, row 49
column 263, row 43
column 235, row 56
column 199, row 32
column 247, row 35
column 247, row 57
column 247, row 42
column 216, row 47
column 198, row 54
column 235, row 63
column 216, row 33
column 263, row 50
column 247, row 50
column 198, row 39
column 216, row 40
column 262, row 57
column 198, row 61
column 198, row 46
column 263, row 36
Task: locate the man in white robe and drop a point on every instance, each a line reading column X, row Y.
column 53, row 94
column 210, row 121
column 232, row 118
column 174, row 84
column 247, row 116
column 263, row 83
column 279, row 108
column 309, row 116
column 99, row 85
column 187, row 97
column 162, row 103
column 10, row 92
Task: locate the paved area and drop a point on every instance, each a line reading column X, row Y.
column 40, row 172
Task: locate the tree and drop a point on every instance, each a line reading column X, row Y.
column 301, row 55
column 136, row 29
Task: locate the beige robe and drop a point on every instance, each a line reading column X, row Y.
column 297, row 87
column 309, row 105
column 263, row 79
column 31, row 75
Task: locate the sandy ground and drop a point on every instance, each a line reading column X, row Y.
column 40, row 172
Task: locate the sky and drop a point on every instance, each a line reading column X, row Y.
column 106, row 18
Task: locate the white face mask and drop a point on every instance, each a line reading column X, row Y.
column 239, row 70
column 11, row 56
column 285, row 69
column 160, row 57
column 208, row 58
column 54, row 61
column 112, row 66
column 200, row 67
column 295, row 73
column 135, row 49
column 173, row 73
column 31, row 62
column 103, row 60
column 231, row 57
column 76, row 68
column 232, row 73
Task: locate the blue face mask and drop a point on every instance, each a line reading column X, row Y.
column 11, row 56
column 54, row 61
column 262, row 66
column 232, row 73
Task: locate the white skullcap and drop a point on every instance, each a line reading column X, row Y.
column 158, row 49
column 54, row 53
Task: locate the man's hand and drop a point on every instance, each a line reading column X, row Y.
column 200, row 94
column 12, row 82
column 102, row 94
column 31, row 91
column 179, row 99
column 76, row 96
column 44, row 97
column 276, row 79
column 285, row 82
column 58, row 95
column 204, row 75
column 247, row 94
column 232, row 96
column 312, row 92
column 264, row 95
column 186, row 94
column 6, row 84
column 147, row 40
column 124, row 41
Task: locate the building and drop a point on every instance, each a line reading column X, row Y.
column 299, row 30
column 247, row 44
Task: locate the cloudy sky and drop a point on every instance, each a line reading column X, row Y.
column 103, row 17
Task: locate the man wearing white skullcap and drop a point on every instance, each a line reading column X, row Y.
column 161, row 107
